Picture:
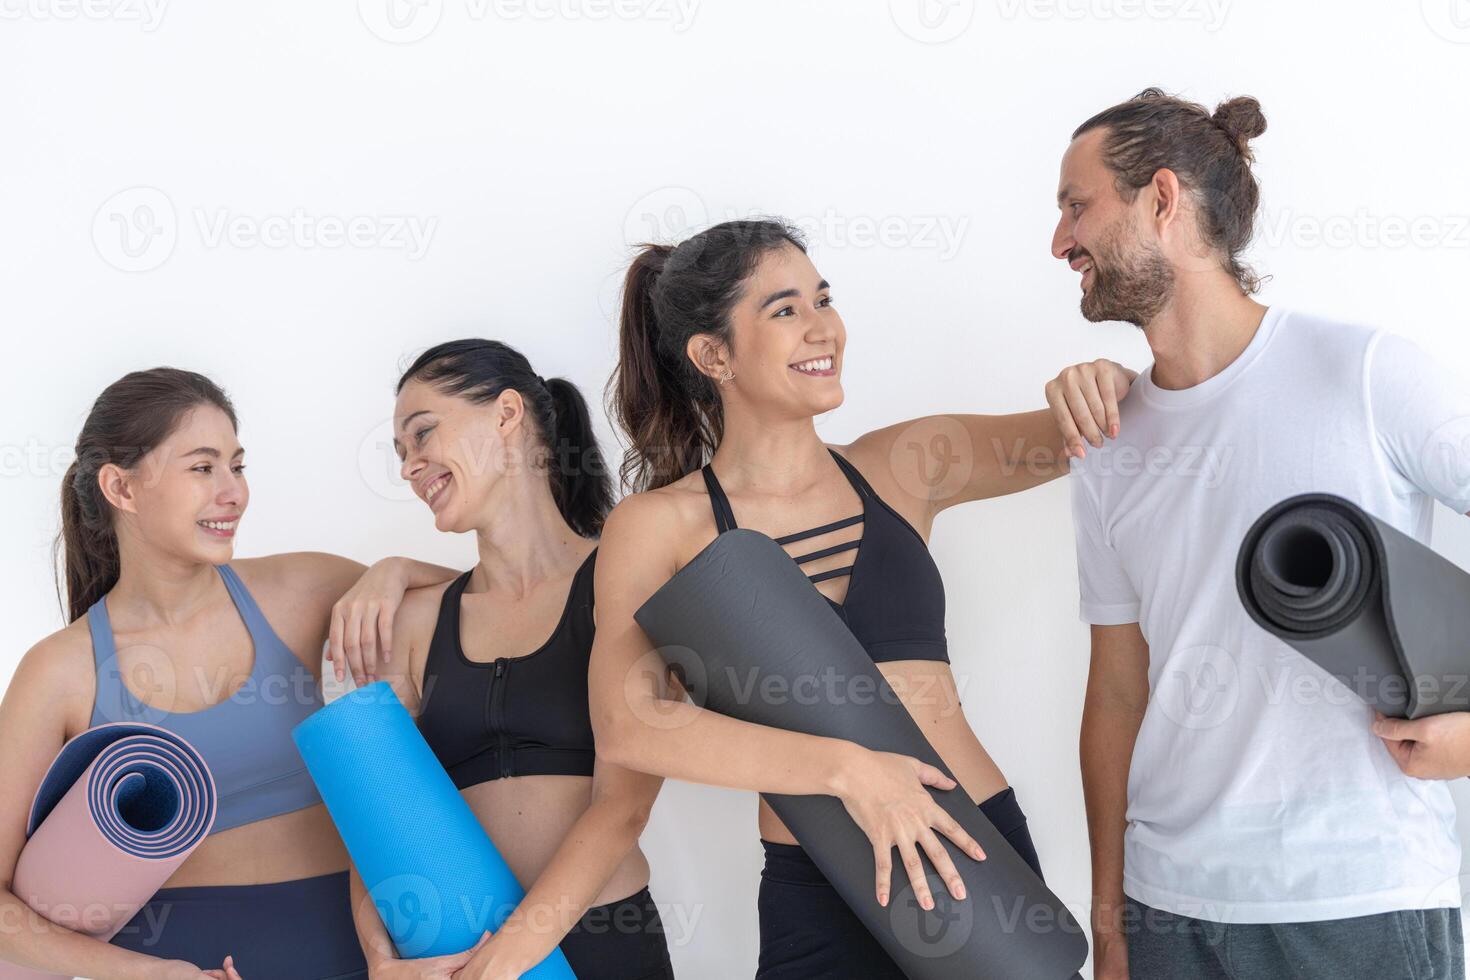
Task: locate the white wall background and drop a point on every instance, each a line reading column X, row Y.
column 155, row 151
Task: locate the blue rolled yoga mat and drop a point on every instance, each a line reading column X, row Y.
column 435, row 876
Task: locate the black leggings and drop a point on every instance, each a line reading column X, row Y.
column 809, row 933
column 621, row 940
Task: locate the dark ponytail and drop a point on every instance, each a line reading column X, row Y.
column 479, row 370
column 131, row 417
column 671, row 412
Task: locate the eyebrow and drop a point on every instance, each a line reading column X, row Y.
column 212, row 452
column 398, row 446
column 1063, row 194
column 788, row 293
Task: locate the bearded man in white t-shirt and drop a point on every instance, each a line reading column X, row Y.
column 1246, row 819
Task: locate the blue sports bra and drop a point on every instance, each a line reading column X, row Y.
column 245, row 740
column 895, row 598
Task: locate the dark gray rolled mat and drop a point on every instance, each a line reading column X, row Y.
column 1386, row 615
column 755, row 640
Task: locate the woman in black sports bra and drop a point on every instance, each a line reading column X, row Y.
column 494, row 665
column 730, row 348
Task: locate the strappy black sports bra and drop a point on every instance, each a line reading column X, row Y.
column 895, row 596
column 511, row 716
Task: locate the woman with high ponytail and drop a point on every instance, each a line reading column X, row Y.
column 495, row 663
column 731, row 345
column 167, row 628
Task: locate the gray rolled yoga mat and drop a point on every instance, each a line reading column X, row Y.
column 755, row 640
column 1362, row 600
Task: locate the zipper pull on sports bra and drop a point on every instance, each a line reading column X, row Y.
column 900, row 614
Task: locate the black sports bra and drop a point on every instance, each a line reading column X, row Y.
column 511, row 716
column 895, row 596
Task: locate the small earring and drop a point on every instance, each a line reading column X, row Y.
column 728, row 376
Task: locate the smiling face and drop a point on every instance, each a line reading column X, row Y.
column 453, row 451
column 1107, row 240
column 187, row 495
column 788, row 338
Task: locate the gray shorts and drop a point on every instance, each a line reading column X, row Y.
column 1414, row 944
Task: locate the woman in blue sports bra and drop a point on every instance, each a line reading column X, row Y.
column 730, row 348
column 166, row 628
column 494, row 664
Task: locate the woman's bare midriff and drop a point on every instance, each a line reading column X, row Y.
column 299, row 844
column 927, row 689
column 528, row 817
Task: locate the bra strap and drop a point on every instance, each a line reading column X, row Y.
column 814, row 531
column 255, row 620
column 853, row 476
column 104, row 648
column 724, row 516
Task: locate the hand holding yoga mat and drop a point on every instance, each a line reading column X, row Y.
column 437, row 880
column 741, row 614
column 1362, row 600
column 119, row 809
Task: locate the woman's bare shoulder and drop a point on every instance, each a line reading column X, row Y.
column 59, row 670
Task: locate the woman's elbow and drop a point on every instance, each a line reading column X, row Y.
column 610, row 733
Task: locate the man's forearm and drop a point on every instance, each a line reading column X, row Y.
column 1108, row 733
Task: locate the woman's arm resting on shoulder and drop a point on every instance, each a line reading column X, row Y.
column 945, row 460
column 639, row 727
column 360, row 601
column 362, row 619
column 586, row 860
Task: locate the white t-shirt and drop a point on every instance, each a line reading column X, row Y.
column 1257, row 791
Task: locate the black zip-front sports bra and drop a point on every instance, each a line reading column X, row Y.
column 511, row 716
column 895, row 596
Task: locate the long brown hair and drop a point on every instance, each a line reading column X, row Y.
column 1210, row 153
column 131, row 417
column 672, row 413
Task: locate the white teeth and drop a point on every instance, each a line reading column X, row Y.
column 219, row 525
column 817, row 364
column 433, row 489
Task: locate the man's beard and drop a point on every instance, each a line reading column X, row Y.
column 1133, row 288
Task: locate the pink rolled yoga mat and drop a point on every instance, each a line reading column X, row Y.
column 120, row 808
